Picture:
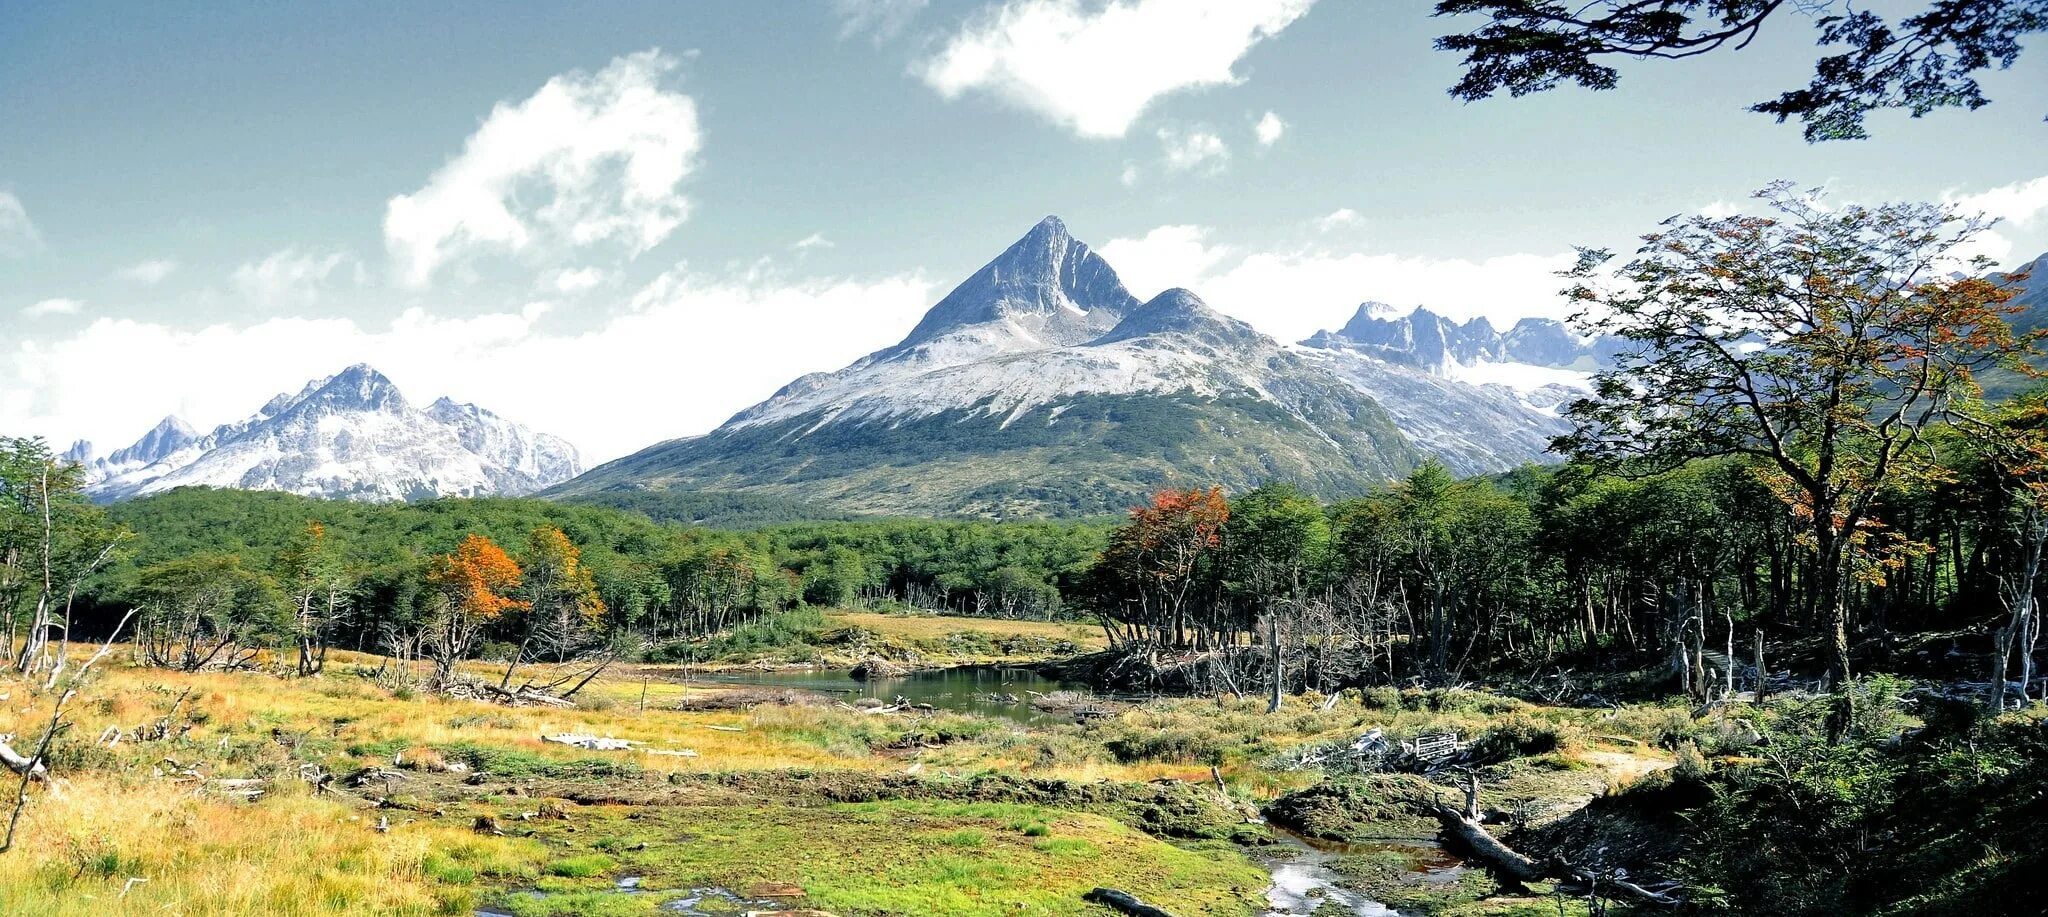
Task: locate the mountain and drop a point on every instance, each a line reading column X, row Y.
column 1430, row 341
column 351, row 435
column 1041, row 386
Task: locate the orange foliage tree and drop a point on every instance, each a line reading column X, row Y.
column 473, row 586
column 1154, row 563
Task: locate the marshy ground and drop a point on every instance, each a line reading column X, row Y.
column 449, row 806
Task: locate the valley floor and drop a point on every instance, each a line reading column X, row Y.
column 447, row 806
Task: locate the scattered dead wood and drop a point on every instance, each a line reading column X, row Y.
column 524, row 695
column 1473, row 837
column 1124, row 903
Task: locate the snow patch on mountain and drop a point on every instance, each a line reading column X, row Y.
column 350, row 435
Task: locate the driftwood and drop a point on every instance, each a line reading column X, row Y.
column 20, row 763
column 1511, row 864
column 1124, row 903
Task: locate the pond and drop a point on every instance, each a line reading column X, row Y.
column 985, row 690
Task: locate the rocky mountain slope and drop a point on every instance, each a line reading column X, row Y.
column 1042, row 386
column 351, row 435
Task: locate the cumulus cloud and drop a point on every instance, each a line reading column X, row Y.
column 57, row 306
column 589, row 159
column 1720, row 210
column 1340, row 218
column 150, row 272
column 1166, row 257
column 814, row 240
column 880, row 19
column 1269, row 129
column 689, row 348
column 1193, row 151
column 1293, row 293
column 288, row 277
column 1095, row 67
column 2020, row 203
column 18, row 234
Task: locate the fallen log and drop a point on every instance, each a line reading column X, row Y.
column 21, row 764
column 1124, row 903
column 1473, row 837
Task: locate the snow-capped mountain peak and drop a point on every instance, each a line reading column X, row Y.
column 1047, row 288
column 352, row 434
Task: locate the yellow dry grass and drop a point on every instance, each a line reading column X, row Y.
column 935, row 627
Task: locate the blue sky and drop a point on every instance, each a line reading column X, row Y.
column 623, row 221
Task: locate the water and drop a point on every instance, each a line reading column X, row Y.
column 983, row 690
column 1303, row 880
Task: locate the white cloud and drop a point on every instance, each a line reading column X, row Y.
column 588, row 159
column 1166, row 257
column 57, row 306
column 1129, row 176
column 1293, row 293
column 1269, row 129
column 289, row 277
column 1720, row 210
column 1340, row 218
column 1095, row 67
column 18, row 234
column 576, row 280
column 882, row 19
column 814, row 240
column 149, row 273
column 2020, row 203
column 1193, row 150
column 690, row 350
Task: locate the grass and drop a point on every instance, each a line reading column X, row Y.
column 922, row 857
column 919, row 628
column 127, row 811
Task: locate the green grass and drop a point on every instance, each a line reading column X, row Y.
column 922, row 857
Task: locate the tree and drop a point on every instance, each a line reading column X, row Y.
column 1278, row 541
column 1922, row 63
column 474, row 585
column 562, row 607
column 51, row 541
column 205, row 610
column 1158, row 560
column 2013, row 441
column 318, row 580
column 1820, row 342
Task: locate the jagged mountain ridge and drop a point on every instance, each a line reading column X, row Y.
column 351, row 435
column 1041, row 386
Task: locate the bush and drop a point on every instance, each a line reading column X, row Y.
column 1521, row 735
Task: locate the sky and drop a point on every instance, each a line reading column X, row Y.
column 621, row 222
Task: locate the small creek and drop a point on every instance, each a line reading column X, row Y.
column 1303, row 880
column 985, row 690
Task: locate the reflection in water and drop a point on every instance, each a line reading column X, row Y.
column 985, row 690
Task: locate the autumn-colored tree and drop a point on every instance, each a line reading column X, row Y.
column 1821, row 342
column 1157, row 557
column 474, row 585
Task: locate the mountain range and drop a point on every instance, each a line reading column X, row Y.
column 351, row 435
column 1042, row 386
column 1039, row 386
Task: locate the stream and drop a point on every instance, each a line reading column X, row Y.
column 1304, row 881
